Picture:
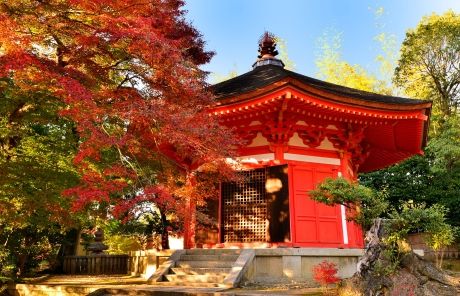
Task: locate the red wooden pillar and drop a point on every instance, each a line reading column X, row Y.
column 344, row 164
column 190, row 215
column 278, row 150
column 353, row 230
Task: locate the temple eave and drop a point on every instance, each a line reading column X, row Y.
column 298, row 101
column 384, row 102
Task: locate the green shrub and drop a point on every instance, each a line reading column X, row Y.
column 364, row 204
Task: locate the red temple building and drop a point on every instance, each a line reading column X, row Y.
column 299, row 131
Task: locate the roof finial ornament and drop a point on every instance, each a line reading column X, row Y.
column 267, row 51
column 267, row 46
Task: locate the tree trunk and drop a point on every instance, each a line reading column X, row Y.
column 373, row 248
column 441, row 257
column 164, row 233
column 21, row 265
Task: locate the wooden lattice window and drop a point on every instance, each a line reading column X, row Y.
column 244, row 207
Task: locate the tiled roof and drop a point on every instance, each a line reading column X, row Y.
column 262, row 76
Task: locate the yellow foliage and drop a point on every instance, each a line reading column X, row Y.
column 404, row 246
column 120, row 244
column 283, row 54
column 335, row 70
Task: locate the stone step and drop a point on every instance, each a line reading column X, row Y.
column 205, row 264
column 213, row 251
column 222, row 257
column 195, row 278
column 189, row 284
column 214, row 271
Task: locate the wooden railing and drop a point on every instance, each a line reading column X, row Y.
column 96, row 264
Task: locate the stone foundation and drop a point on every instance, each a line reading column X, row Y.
column 288, row 265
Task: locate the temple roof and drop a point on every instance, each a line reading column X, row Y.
column 272, row 101
column 395, row 128
column 266, row 75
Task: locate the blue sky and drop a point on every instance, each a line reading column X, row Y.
column 231, row 28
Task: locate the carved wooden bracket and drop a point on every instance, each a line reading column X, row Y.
column 349, row 139
column 278, row 132
column 312, row 137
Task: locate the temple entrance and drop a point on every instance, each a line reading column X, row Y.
column 315, row 223
column 257, row 208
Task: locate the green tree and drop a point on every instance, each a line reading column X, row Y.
column 412, row 217
column 37, row 147
column 445, row 147
column 429, row 66
column 411, row 178
column 365, row 204
column 431, row 178
column 443, row 152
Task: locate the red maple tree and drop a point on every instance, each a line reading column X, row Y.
column 128, row 71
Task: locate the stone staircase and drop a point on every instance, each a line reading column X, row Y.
column 202, row 267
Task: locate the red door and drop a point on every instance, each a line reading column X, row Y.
column 314, row 224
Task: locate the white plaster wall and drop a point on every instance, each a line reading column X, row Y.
column 257, row 157
column 314, row 159
column 259, row 140
column 326, row 145
column 295, row 140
